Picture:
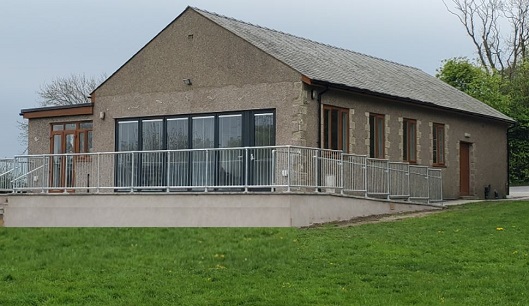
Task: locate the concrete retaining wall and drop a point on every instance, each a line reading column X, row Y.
column 190, row 210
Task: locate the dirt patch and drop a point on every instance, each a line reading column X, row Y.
column 382, row 218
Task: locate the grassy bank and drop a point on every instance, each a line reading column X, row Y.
column 475, row 255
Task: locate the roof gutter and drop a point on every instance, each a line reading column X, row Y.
column 400, row 99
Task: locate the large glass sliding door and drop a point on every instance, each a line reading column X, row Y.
column 187, row 166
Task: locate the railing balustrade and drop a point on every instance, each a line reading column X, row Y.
column 6, row 174
column 272, row 168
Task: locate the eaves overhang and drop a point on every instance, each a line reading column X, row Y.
column 58, row 111
column 343, row 87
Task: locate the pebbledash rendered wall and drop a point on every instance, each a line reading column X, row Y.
column 39, row 131
column 229, row 74
column 488, row 138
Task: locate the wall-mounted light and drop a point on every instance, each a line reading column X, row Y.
column 313, row 94
column 102, row 115
column 467, row 135
column 187, row 81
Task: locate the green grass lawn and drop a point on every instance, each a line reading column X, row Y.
column 475, row 255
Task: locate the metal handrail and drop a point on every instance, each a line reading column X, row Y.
column 278, row 168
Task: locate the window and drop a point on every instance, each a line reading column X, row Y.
column 409, row 140
column 335, row 128
column 438, row 144
column 71, row 137
column 68, row 138
column 376, row 136
column 195, row 168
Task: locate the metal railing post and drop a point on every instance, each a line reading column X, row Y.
column 342, row 172
column 168, row 169
column 388, row 174
column 132, row 173
column 428, row 183
column 366, row 187
column 45, row 162
column 98, row 172
column 288, row 168
column 65, row 173
column 246, row 170
column 409, row 187
column 317, row 162
column 207, row 168
column 273, row 169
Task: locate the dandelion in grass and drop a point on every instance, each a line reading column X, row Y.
column 500, row 229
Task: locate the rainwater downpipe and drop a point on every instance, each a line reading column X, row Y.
column 318, row 99
column 509, row 158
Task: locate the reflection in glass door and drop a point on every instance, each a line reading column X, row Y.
column 69, row 148
column 178, row 139
column 261, row 158
column 152, row 163
column 63, row 166
column 56, row 161
column 126, row 172
column 231, row 162
column 203, row 162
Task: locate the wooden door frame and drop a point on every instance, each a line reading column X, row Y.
column 64, row 158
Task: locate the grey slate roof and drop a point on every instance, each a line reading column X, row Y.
column 338, row 66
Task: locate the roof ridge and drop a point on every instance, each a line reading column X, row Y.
column 303, row 38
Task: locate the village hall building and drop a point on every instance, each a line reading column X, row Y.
column 294, row 109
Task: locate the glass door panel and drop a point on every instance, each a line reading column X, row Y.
column 152, row 163
column 231, row 162
column 202, row 161
column 178, row 139
column 127, row 141
column 63, row 163
column 261, row 171
column 56, row 161
column 69, row 161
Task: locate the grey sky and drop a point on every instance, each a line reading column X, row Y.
column 41, row 40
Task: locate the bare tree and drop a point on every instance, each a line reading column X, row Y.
column 70, row 90
column 499, row 29
column 73, row 89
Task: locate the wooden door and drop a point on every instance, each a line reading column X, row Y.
column 464, row 168
column 62, row 165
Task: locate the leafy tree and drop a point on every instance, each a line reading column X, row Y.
column 476, row 82
column 508, row 95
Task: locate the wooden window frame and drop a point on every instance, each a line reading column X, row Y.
column 408, row 134
column 438, row 145
column 375, row 149
column 342, row 128
column 78, row 131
